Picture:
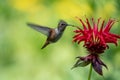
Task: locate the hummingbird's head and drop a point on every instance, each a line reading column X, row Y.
column 62, row 25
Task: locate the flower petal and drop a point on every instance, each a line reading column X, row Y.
column 97, row 67
column 80, row 63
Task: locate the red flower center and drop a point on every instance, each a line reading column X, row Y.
column 95, row 40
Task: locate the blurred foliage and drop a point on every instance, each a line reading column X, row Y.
column 20, row 55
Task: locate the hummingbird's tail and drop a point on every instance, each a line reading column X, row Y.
column 46, row 43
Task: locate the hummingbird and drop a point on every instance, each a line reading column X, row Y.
column 53, row 34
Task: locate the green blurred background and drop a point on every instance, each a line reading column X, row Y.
column 21, row 57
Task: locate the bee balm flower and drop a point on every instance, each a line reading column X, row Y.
column 96, row 39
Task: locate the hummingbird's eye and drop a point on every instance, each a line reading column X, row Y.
column 62, row 24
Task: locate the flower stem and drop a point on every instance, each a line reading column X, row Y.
column 90, row 72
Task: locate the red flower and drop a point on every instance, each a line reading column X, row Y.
column 95, row 41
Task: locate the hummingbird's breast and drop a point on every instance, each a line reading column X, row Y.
column 57, row 36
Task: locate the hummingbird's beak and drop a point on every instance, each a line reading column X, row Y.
column 73, row 25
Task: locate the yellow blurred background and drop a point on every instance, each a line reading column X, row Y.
column 21, row 57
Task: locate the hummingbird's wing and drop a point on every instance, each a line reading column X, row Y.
column 41, row 29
